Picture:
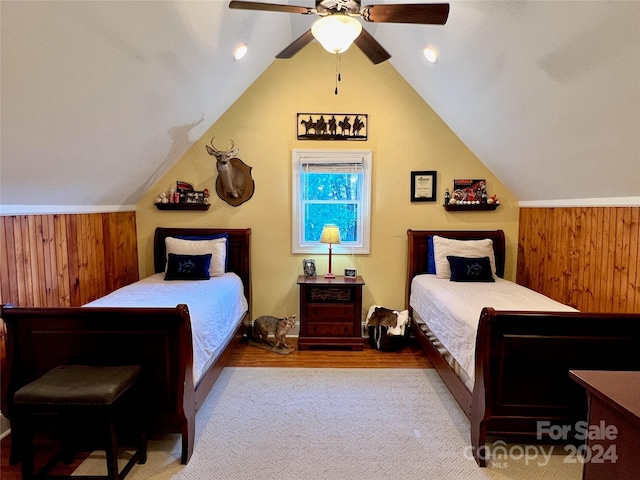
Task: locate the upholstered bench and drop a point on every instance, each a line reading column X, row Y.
column 87, row 395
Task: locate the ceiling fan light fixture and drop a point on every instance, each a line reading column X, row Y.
column 336, row 32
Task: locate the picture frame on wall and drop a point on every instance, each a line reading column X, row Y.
column 469, row 190
column 423, row 186
column 332, row 126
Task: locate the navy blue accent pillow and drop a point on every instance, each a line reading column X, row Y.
column 431, row 259
column 211, row 236
column 465, row 269
column 188, row 267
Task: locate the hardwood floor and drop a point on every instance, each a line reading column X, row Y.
column 412, row 356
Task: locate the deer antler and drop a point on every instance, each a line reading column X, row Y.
column 212, row 146
column 229, row 152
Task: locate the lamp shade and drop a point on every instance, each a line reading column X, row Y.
column 336, row 32
column 330, row 234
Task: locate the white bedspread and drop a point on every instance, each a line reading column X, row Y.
column 216, row 307
column 451, row 310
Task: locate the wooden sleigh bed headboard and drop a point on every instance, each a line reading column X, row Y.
column 238, row 251
column 420, row 244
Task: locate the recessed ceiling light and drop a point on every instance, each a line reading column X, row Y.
column 430, row 54
column 240, row 52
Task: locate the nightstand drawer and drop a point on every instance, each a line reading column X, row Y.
column 330, row 313
column 329, row 295
column 328, row 329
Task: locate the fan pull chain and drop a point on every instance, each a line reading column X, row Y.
column 338, row 76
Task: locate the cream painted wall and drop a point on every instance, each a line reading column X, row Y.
column 404, row 135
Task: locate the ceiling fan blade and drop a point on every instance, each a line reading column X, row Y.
column 296, row 45
column 371, row 48
column 430, row 14
column 270, row 7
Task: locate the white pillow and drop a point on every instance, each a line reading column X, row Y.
column 460, row 248
column 216, row 247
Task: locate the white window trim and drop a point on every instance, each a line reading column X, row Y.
column 300, row 157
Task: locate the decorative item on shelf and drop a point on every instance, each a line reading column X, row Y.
column 331, row 235
column 309, row 267
column 195, row 197
column 234, row 184
column 447, row 197
column 350, row 273
column 173, row 196
column 182, row 189
column 162, row 198
column 469, row 192
column 470, row 195
column 183, row 197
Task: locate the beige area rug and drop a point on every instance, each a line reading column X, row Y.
column 316, row 424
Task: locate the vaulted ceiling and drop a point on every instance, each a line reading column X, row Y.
column 98, row 98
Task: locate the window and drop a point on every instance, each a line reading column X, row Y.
column 331, row 186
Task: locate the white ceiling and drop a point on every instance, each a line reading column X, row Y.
column 102, row 97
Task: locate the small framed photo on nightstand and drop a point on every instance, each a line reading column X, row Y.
column 350, row 273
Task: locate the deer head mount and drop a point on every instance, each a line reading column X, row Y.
column 234, row 184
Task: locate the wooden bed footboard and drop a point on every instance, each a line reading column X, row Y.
column 158, row 339
column 522, row 386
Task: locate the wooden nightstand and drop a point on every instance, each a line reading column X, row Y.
column 330, row 312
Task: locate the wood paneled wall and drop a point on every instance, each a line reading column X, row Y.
column 584, row 257
column 66, row 260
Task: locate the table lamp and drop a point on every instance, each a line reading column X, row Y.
column 330, row 235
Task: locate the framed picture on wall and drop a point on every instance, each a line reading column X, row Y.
column 423, row 186
column 332, row 126
column 469, row 190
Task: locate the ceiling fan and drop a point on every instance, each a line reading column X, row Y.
column 337, row 17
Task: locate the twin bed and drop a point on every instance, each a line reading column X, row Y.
column 505, row 351
column 181, row 332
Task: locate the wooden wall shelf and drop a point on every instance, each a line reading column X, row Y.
column 470, row 208
column 182, row 206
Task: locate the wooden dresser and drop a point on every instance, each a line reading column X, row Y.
column 330, row 312
column 612, row 450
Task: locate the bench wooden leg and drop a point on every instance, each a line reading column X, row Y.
column 111, row 449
